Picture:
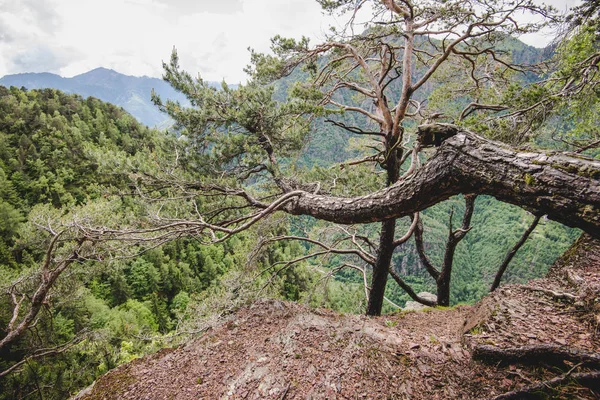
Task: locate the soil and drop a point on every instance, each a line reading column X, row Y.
column 280, row 350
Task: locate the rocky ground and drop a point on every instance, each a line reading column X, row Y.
column 539, row 340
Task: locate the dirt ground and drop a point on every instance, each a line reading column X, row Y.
column 278, row 350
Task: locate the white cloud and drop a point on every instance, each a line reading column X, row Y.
column 545, row 36
column 133, row 36
column 70, row 37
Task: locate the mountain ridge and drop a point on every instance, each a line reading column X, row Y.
column 130, row 92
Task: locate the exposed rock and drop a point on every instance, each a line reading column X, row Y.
column 416, row 306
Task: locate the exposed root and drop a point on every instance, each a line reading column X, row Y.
column 590, row 380
column 536, row 354
column 551, row 293
column 574, row 279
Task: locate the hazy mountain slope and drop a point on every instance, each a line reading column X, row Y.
column 130, row 92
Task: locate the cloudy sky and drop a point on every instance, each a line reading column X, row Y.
column 70, row 37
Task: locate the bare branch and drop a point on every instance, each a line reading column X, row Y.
column 409, row 232
column 406, row 287
column 509, row 256
column 328, row 249
column 354, row 129
column 421, row 251
column 40, row 353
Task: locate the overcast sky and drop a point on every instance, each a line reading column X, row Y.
column 69, row 37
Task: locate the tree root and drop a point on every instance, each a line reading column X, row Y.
column 590, row 380
column 543, row 354
column 535, row 354
column 551, row 293
column 574, row 279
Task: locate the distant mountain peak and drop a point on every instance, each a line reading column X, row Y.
column 102, row 71
column 130, row 92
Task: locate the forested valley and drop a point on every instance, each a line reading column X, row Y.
column 118, row 240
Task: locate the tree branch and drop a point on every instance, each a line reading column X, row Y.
column 43, row 353
column 563, row 186
column 409, row 290
column 421, row 251
column 509, row 256
column 409, row 232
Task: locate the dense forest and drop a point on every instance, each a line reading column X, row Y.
column 117, row 240
column 59, row 154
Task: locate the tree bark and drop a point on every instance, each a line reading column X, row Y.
column 386, row 239
column 564, row 186
column 454, row 238
column 381, row 267
column 409, row 290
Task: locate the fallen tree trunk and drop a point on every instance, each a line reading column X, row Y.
column 563, row 186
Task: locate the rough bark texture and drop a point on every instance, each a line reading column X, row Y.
column 381, row 267
column 386, row 240
column 563, row 186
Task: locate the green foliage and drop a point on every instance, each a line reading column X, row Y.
column 585, row 14
column 234, row 130
column 496, row 227
column 577, row 112
column 49, row 144
column 61, row 159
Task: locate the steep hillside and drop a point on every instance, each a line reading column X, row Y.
column 130, row 92
column 524, row 341
column 63, row 157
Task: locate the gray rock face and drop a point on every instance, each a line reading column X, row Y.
column 415, row 306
